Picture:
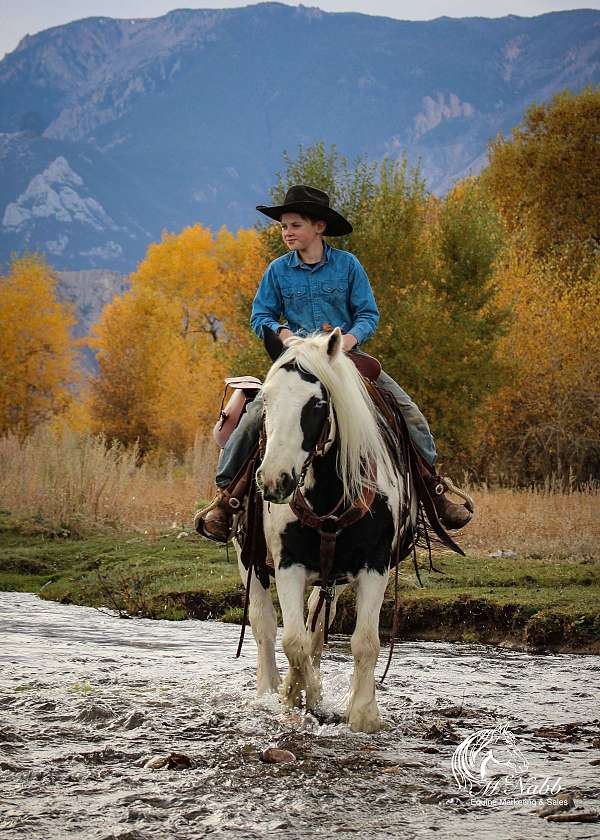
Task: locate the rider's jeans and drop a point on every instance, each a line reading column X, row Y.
column 244, row 438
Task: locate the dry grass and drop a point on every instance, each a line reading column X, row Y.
column 542, row 522
column 80, row 483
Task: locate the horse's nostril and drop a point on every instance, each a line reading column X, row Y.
column 286, row 483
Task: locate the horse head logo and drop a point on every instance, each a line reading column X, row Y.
column 485, row 754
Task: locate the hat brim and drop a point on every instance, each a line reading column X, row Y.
column 336, row 224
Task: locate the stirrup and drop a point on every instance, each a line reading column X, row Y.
column 452, row 488
column 201, row 512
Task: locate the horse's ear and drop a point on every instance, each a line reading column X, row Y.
column 273, row 344
column 334, row 344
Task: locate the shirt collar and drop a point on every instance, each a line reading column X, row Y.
column 296, row 262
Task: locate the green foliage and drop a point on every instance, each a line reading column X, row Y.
column 388, row 237
column 430, row 263
column 351, row 188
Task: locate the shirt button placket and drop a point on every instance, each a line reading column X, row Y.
column 318, row 314
column 312, row 299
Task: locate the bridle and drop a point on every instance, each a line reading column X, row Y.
column 318, row 448
column 330, row 525
column 320, row 445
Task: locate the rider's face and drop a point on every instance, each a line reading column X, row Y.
column 299, row 233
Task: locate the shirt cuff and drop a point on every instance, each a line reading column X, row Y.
column 273, row 325
column 358, row 333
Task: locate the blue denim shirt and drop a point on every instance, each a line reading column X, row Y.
column 335, row 291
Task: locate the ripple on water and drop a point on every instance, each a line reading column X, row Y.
column 87, row 699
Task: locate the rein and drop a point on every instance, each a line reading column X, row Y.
column 328, row 526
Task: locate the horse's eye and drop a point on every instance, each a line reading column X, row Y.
column 320, row 403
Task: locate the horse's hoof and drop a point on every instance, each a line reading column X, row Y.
column 290, row 695
column 369, row 727
column 267, row 688
column 313, row 699
column 366, row 720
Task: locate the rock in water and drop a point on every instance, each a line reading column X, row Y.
column 549, row 810
column 173, row 761
column 179, row 761
column 273, row 755
column 156, row 762
column 576, row 816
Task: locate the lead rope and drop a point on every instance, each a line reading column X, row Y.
column 250, row 528
column 246, row 609
column 394, row 626
column 394, row 631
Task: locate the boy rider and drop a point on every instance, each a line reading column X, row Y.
column 317, row 287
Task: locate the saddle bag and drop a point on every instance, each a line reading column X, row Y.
column 245, row 389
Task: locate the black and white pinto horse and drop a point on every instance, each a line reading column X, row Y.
column 311, row 382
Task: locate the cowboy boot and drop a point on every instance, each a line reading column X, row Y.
column 215, row 520
column 451, row 515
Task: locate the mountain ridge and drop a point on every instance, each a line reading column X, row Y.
column 114, row 129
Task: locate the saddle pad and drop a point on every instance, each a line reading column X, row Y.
column 244, row 383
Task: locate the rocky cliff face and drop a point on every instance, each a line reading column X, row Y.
column 89, row 291
column 112, row 130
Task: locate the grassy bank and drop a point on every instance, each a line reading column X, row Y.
column 550, row 602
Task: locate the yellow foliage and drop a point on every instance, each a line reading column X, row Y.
column 37, row 355
column 545, row 179
column 77, row 416
column 547, row 418
column 242, row 261
column 164, row 347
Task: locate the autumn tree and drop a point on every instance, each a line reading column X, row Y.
column 165, row 346
column 131, row 340
column 37, row 351
column 430, row 264
column 545, row 181
column 545, row 420
column 243, row 260
column 545, row 178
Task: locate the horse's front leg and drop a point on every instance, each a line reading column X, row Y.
column 363, row 714
column 263, row 621
column 291, row 583
column 316, row 638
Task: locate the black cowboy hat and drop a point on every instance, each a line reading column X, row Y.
column 312, row 202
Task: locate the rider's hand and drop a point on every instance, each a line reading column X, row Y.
column 285, row 333
column 349, row 341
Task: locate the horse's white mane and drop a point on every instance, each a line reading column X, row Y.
column 359, row 438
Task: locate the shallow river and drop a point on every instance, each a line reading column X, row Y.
column 86, row 698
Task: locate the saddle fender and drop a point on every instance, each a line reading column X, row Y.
column 245, row 388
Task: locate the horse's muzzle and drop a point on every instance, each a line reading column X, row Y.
column 280, row 491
